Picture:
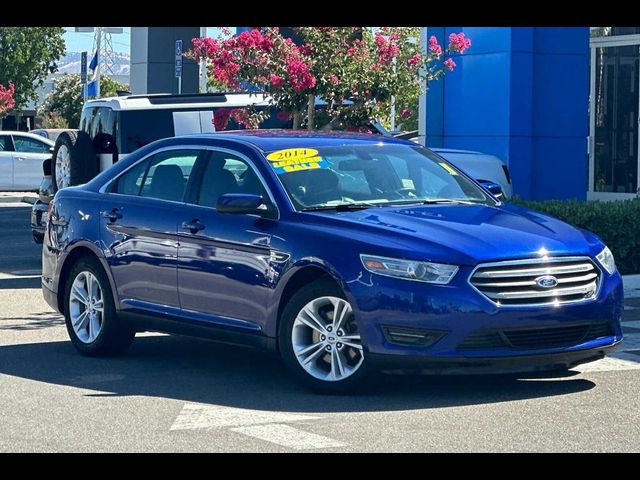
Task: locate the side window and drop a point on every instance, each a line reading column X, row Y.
column 4, row 143
column 168, row 173
column 102, row 131
column 28, row 145
column 130, row 182
column 87, row 118
column 162, row 176
column 226, row 173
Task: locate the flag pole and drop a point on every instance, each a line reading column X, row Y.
column 98, row 41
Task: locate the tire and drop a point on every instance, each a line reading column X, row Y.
column 319, row 374
column 74, row 160
column 113, row 337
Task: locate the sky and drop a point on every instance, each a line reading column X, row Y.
column 80, row 41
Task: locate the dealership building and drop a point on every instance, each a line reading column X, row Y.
column 559, row 105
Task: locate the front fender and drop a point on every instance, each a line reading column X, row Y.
column 288, row 275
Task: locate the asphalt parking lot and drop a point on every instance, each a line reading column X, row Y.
column 174, row 393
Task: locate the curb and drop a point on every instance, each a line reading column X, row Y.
column 18, row 199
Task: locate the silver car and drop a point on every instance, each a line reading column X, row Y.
column 21, row 157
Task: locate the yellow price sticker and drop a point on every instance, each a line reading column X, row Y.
column 289, row 154
column 448, row 168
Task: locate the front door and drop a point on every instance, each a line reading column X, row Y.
column 139, row 228
column 27, row 161
column 224, row 273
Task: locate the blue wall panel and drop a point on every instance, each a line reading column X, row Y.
column 520, row 93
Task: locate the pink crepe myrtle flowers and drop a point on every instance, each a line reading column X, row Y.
column 458, row 42
column 7, row 102
column 434, row 46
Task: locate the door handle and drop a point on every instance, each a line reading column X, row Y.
column 194, row 226
column 21, row 158
column 112, row 215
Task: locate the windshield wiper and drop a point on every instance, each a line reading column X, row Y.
column 435, row 201
column 343, row 207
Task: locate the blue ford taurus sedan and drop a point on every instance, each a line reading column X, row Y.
column 344, row 253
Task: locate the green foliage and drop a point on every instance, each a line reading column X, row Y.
column 617, row 223
column 27, row 56
column 65, row 99
column 54, row 120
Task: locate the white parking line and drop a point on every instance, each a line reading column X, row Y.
column 616, row 361
column 195, row 416
column 289, row 437
column 260, row 424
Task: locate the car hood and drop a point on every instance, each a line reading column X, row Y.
column 464, row 234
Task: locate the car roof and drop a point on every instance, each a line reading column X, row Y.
column 163, row 101
column 271, row 140
column 28, row 135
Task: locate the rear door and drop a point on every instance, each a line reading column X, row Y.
column 28, row 155
column 139, row 229
column 6, row 162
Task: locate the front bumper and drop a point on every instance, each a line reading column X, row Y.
column 39, row 217
column 40, row 208
column 464, row 331
column 487, row 365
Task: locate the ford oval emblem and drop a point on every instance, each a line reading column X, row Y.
column 547, row 281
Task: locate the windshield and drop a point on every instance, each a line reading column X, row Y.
column 370, row 175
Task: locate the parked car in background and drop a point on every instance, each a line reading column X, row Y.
column 50, row 133
column 481, row 166
column 21, row 157
column 344, row 253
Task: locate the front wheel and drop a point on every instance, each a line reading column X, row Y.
column 90, row 314
column 320, row 341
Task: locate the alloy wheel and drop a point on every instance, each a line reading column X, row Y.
column 325, row 339
column 63, row 167
column 86, row 306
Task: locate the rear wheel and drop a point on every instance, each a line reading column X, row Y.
column 90, row 314
column 74, row 160
column 320, row 341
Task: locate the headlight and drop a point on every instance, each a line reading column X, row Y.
column 429, row 272
column 605, row 257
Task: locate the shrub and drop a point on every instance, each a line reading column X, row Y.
column 617, row 223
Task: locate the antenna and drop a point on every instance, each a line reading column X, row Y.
column 103, row 43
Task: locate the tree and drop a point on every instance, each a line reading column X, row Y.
column 336, row 64
column 65, row 99
column 29, row 55
column 6, row 99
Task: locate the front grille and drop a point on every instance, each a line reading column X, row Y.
column 532, row 338
column 518, row 282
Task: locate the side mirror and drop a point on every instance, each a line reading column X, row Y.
column 493, row 188
column 246, row 203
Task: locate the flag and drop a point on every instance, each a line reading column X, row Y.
column 94, row 61
column 92, row 89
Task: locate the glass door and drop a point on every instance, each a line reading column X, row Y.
column 614, row 105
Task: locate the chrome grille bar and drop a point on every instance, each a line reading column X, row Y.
column 518, row 282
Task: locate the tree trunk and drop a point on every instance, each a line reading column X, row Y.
column 296, row 119
column 311, row 110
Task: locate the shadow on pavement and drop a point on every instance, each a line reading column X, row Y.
column 34, row 321
column 30, row 281
column 194, row 370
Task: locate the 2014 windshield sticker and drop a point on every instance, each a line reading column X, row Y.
column 295, row 159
